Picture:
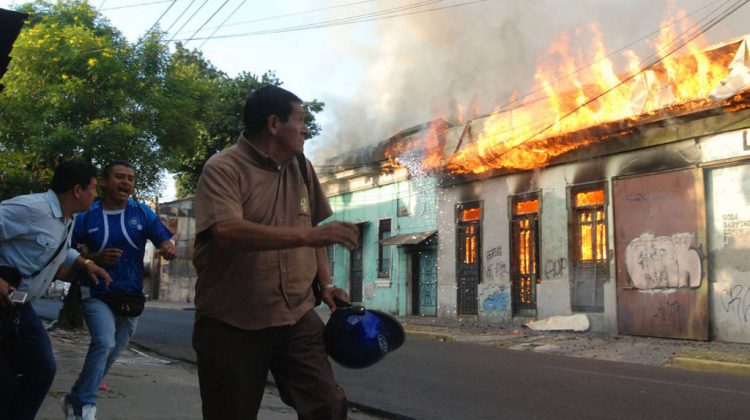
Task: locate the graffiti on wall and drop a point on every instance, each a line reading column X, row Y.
column 496, row 268
column 736, row 300
column 663, row 262
column 555, row 268
column 496, row 302
column 668, row 312
column 733, row 226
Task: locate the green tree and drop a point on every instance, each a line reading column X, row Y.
column 222, row 128
column 77, row 89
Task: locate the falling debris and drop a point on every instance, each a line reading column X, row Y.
column 579, row 322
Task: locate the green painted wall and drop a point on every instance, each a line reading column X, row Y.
column 411, row 206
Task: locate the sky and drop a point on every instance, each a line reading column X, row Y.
column 421, row 60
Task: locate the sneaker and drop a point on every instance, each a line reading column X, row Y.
column 67, row 409
column 88, row 412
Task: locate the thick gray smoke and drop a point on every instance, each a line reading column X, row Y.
column 436, row 65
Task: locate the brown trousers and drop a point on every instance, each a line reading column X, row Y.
column 233, row 367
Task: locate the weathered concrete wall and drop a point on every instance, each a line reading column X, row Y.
column 494, row 291
column 729, row 251
column 553, row 293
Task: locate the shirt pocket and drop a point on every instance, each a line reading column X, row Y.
column 46, row 245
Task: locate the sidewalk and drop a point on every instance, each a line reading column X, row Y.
column 711, row 356
column 149, row 386
column 143, row 386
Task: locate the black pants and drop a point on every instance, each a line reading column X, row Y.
column 28, row 354
column 233, row 365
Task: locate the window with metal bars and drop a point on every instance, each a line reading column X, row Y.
column 469, row 250
column 589, row 247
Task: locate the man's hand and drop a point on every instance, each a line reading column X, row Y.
column 330, row 292
column 94, row 271
column 168, row 250
column 346, row 234
column 107, row 258
column 5, row 291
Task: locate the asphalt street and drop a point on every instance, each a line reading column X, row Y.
column 429, row 379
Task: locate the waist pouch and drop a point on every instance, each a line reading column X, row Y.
column 124, row 304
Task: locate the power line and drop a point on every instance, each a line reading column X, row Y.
column 179, row 17
column 350, row 20
column 134, row 5
column 207, row 20
column 304, row 12
column 222, row 24
column 157, row 21
column 189, row 19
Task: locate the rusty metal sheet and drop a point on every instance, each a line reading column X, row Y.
column 660, row 232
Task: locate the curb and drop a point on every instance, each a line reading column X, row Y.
column 702, row 365
column 431, row 335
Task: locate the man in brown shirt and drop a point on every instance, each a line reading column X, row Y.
column 257, row 251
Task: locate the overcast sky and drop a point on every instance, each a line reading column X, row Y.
column 380, row 76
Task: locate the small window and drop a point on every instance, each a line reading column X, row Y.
column 384, row 252
column 591, row 226
column 526, row 207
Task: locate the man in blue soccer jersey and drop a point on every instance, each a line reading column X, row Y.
column 114, row 232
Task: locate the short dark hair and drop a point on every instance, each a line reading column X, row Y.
column 264, row 102
column 70, row 173
column 108, row 169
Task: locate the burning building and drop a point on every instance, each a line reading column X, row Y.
column 626, row 198
column 633, row 210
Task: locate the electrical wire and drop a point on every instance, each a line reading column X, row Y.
column 207, row 20
column 134, row 5
column 377, row 13
column 189, row 19
column 180, row 16
column 157, row 21
column 385, row 14
column 222, row 24
column 304, row 12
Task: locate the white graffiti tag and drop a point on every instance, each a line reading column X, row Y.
column 663, row 262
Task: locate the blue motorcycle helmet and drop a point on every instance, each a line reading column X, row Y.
column 356, row 337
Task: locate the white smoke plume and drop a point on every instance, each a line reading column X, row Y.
column 461, row 62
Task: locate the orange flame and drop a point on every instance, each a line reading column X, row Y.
column 530, row 135
column 419, row 151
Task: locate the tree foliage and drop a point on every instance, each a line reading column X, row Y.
column 76, row 88
column 225, row 123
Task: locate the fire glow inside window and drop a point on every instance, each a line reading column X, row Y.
column 591, row 225
column 526, row 207
column 470, row 233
